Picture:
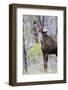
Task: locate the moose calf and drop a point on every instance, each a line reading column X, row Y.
column 48, row 45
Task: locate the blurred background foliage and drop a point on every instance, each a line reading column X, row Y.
column 34, row 53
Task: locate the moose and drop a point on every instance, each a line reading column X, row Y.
column 48, row 45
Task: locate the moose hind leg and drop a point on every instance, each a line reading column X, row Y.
column 45, row 61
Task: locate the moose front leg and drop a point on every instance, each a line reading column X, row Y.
column 45, row 61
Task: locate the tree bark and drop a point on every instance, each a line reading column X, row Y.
column 24, row 55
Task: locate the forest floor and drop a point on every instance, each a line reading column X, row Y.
column 38, row 68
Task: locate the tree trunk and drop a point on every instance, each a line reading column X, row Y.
column 24, row 55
